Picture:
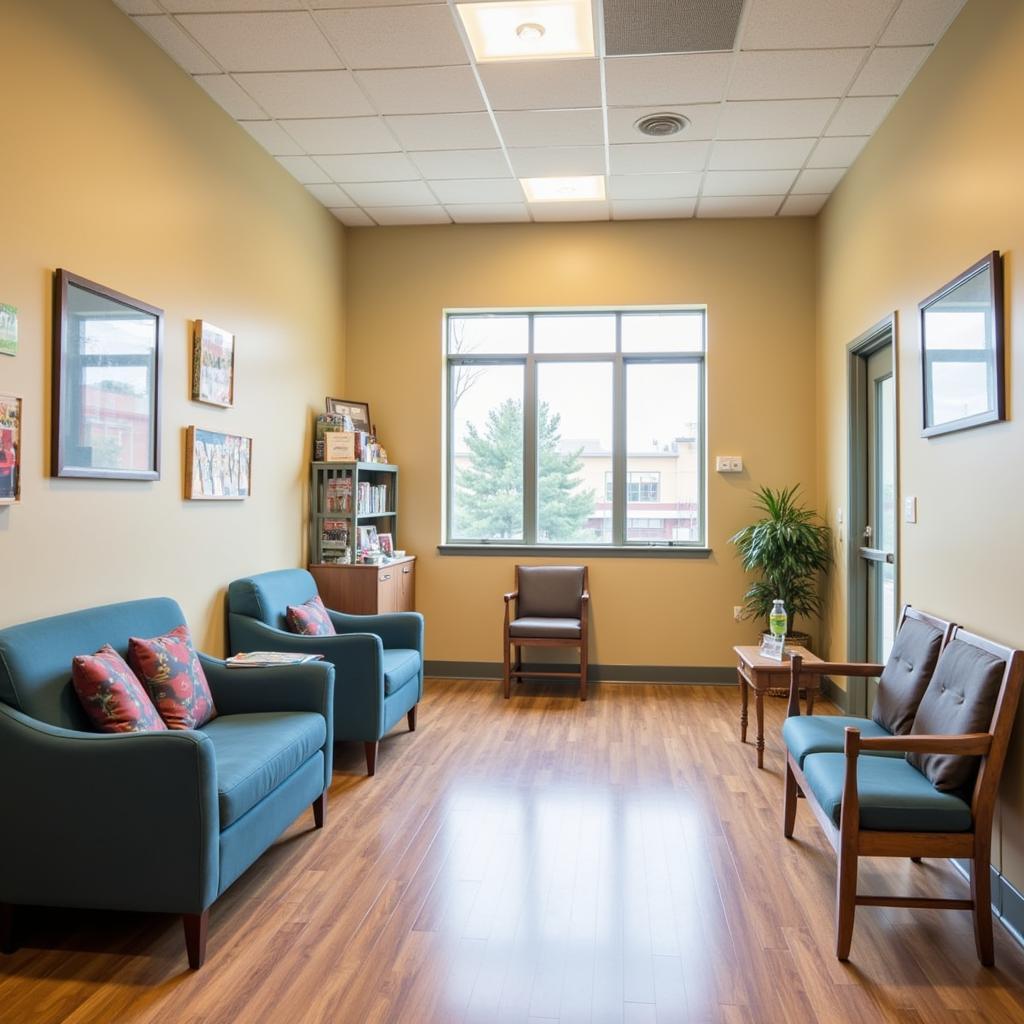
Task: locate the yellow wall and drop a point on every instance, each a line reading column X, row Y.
column 757, row 278
column 117, row 167
column 937, row 188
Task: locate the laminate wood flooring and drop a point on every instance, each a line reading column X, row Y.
column 538, row 861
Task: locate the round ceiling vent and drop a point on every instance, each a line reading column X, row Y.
column 660, row 125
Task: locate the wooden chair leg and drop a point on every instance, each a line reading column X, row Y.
column 583, row 673
column 846, row 902
column 507, row 678
column 8, row 943
column 981, row 895
column 371, row 757
column 789, row 802
column 195, row 937
column 411, row 718
column 519, row 658
column 319, row 806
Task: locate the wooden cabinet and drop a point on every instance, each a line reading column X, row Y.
column 368, row 589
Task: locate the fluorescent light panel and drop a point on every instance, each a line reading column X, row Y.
column 493, row 29
column 563, row 190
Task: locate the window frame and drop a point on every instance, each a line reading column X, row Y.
column 530, row 361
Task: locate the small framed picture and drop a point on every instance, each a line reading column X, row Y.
column 10, row 449
column 367, row 539
column 357, row 412
column 217, row 466
column 213, row 364
column 387, row 544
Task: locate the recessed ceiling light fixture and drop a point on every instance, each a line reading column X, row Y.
column 563, row 190
column 660, row 125
column 529, row 29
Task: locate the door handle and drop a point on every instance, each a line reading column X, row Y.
column 386, row 576
column 405, row 572
column 877, row 555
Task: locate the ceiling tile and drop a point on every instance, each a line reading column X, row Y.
column 888, row 70
column 462, row 163
column 557, row 161
column 653, row 186
column 369, row 167
column 787, row 24
column 422, row 90
column 234, row 99
column 760, row 155
column 303, row 169
column 306, row 93
column 395, row 37
column 170, row 38
column 671, row 78
column 703, row 120
column 272, row 137
column 838, row 152
column 394, row 215
column 393, row 193
column 328, row 135
column 443, row 131
column 793, row 74
column 818, row 181
column 488, row 213
column 860, row 115
column 571, row 211
column 198, row 6
column 551, row 127
column 920, row 21
column 139, row 6
column 352, row 217
column 280, row 41
column 638, row 158
column 329, row 195
column 738, row 206
column 802, row 206
column 322, row 4
column 542, row 84
column 652, row 209
column 774, row 119
column 478, row 190
column 748, row 183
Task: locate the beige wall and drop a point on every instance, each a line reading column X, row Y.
column 117, row 167
column 757, row 278
column 936, row 189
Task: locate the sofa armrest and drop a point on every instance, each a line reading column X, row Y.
column 126, row 821
column 395, row 629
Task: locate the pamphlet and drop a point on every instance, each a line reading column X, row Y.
column 269, row 659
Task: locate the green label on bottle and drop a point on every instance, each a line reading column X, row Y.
column 777, row 625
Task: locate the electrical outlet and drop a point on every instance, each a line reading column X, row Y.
column 735, row 464
column 737, row 613
column 728, row 464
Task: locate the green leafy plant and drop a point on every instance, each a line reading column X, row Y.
column 788, row 547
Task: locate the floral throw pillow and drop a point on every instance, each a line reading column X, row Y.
column 170, row 670
column 310, row 619
column 111, row 696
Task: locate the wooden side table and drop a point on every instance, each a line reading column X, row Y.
column 762, row 674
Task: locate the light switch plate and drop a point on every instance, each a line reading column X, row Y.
column 728, row 464
column 910, row 510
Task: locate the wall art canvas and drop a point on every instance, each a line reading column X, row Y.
column 8, row 330
column 217, row 466
column 213, row 364
column 10, row 449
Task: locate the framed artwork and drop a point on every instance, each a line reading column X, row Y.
column 367, row 539
column 213, row 364
column 387, row 543
column 8, row 330
column 217, row 466
column 10, row 449
column 106, row 383
column 962, row 350
column 358, row 412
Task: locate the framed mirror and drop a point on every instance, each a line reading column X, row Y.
column 106, row 382
column 962, row 350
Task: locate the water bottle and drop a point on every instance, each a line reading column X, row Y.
column 777, row 619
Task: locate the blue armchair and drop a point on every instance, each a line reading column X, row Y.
column 378, row 659
column 157, row 821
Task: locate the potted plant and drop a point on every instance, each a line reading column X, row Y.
column 788, row 547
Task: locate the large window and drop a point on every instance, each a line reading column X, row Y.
column 576, row 428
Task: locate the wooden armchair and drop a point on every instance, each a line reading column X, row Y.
column 549, row 608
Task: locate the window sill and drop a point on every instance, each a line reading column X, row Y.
column 589, row 550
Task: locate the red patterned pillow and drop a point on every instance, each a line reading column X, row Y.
column 169, row 667
column 111, row 695
column 310, row 619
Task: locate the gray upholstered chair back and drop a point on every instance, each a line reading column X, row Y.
column 549, row 591
column 907, row 673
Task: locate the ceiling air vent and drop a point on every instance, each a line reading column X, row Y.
column 670, row 26
column 660, row 125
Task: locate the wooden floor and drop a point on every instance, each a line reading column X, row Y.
column 541, row 861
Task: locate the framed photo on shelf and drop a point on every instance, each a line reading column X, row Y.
column 213, row 364
column 10, row 449
column 367, row 539
column 387, row 544
column 217, row 466
column 106, row 383
column 358, row 412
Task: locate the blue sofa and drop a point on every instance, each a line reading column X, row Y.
column 378, row 659
column 157, row 821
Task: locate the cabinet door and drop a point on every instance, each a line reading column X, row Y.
column 387, row 591
column 407, row 587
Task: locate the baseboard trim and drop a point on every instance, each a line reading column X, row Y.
column 1007, row 901
column 687, row 674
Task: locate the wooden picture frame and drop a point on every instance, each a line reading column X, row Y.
column 218, row 466
column 962, row 372
column 10, row 449
column 106, row 383
column 213, row 365
column 358, row 411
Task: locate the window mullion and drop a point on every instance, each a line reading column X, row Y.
column 530, row 463
column 619, row 480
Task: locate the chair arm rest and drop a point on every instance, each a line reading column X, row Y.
column 840, row 668
column 308, row 687
column 511, row 596
column 395, row 629
column 977, row 743
column 151, row 797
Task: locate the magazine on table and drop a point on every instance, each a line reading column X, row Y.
column 269, row 659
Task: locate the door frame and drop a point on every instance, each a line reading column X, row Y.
column 857, row 352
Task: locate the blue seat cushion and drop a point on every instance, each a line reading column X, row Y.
column 894, row 795
column 401, row 666
column 818, row 734
column 257, row 752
